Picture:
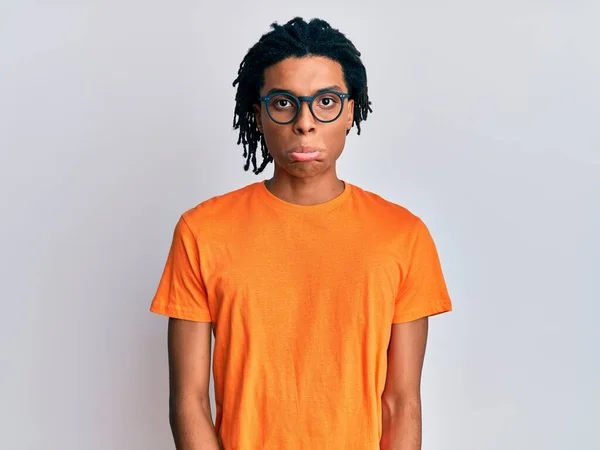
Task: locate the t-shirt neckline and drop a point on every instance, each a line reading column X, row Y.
column 278, row 203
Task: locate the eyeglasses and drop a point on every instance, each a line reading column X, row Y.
column 283, row 108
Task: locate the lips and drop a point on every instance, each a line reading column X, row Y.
column 305, row 153
column 305, row 149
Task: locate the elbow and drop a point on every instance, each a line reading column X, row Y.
column 395, row 404
column 174, row 412
column 178, row 403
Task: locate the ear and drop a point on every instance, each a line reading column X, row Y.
column 258, row 116
column 350, row 115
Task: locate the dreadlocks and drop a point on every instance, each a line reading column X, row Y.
column 297, row 38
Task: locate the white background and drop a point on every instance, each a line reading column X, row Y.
column 115, row 117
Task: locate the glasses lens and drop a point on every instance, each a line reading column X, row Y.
column 327, row 107
column 282, row 108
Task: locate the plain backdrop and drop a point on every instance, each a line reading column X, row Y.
column 116, row 116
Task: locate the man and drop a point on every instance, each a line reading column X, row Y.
column 317, row 292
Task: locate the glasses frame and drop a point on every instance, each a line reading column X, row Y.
column 304, row 98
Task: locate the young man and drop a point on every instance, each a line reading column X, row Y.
column 317, row 291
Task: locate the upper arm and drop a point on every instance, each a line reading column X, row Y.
column 406, row 353
column 181, row 292
column 189, row 348
column 422, row 291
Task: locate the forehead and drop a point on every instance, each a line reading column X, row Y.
column 303, row 76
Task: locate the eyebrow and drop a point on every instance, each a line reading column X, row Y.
column 335, row 87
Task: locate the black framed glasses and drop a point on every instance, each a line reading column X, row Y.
column 283, row 107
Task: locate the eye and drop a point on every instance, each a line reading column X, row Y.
column 327, row 101
column 282, row 103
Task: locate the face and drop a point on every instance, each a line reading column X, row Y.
column 305, row 147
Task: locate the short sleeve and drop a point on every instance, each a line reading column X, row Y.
column 423, row 291
column 181, row 292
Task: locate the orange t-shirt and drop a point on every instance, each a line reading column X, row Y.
column 302, row 300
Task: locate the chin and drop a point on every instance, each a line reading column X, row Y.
column 304, row 169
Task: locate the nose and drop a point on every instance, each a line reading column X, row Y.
column 305, row 122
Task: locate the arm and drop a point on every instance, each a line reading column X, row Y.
column 189, row 372
column 401, row 399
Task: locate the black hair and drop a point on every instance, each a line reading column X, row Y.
column 297, row 38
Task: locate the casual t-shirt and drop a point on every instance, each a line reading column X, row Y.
column 302, row 300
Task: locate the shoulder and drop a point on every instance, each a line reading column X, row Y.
column 218, row 209
column 385, row 212
column 397, row 227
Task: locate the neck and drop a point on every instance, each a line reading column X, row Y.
column 307, row 190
